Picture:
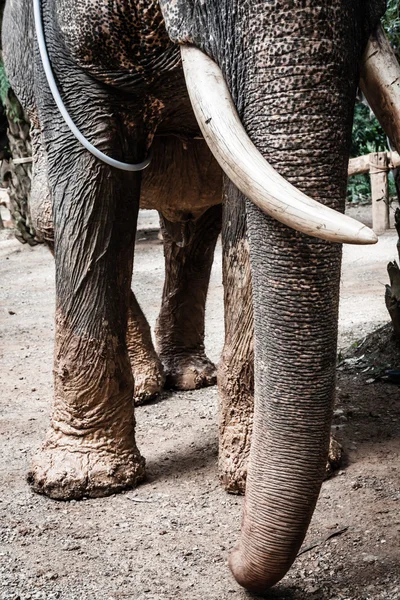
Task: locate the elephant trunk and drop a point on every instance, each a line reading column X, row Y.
column 298, row 113
column 295, row 355
column 292, row 69
column 294, row 89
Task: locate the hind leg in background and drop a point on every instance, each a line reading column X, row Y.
column 147, row 368
column 40, row 199
column 180, row 325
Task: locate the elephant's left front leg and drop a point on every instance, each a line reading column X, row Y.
column 180, row 325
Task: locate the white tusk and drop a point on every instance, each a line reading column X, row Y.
column 380, row 83
column 247, row 168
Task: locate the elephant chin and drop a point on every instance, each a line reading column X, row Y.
column 380, row 83
column 246, row 167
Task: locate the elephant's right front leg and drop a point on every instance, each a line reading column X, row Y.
column 90, row 449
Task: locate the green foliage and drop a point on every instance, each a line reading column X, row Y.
column 391, row 23
column 368, row 135
column 4, row 84
column 8, row 98
column 359, row 189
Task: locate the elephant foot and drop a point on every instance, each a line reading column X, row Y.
column 149, row 382
column 189, row 372
column 236, row 407
column 335, row 456
column 69, row 468
column 234, row 448
column 233, row 475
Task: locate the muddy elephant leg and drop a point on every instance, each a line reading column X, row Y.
column 236, row 367
column 180, row 325
column 90, row 448
column 147, row 369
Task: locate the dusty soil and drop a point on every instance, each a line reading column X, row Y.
column 170, row 538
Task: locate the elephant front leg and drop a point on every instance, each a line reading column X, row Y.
column 147, row 369
column 90, row 449
column 236, row 367
column 180, row 325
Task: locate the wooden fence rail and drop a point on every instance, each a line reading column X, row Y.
column 378, row 165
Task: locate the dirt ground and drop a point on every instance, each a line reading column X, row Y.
column 170, row 538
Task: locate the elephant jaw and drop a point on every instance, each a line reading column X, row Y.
column 246, row 167
column 380, row 83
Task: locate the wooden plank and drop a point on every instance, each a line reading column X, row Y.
column 380, row 191
column 361, row 163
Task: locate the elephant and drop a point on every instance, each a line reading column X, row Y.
column 268, row 90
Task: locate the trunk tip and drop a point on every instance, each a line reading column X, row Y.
column 250, row 576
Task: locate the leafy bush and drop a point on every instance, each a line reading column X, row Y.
column 391, row 23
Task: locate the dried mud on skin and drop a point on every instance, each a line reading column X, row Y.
column 170, row 538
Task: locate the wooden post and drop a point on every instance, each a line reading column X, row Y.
column 392, row 294
column 378, row 171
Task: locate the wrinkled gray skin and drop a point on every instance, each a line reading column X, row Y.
column 292, row 67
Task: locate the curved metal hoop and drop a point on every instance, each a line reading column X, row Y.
column 37, row 9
